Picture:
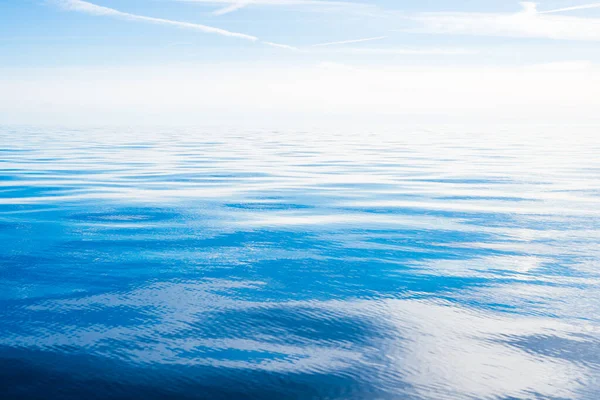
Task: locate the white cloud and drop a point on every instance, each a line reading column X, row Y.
column 93, row 9
column 526, row 23
column 529, row 7
column 350, row 41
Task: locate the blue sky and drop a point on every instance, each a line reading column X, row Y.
column 284, row 47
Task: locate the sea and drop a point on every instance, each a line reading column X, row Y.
column 403, row 262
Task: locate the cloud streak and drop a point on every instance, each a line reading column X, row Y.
column 349, row 41
column 574, row 8
column 281, row 46
column 94, row 9
column 405, row 51
column 525, row 23
column 277, row 2
column 231, row 8
column 234, row 5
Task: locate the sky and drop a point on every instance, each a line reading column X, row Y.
column 214, row 61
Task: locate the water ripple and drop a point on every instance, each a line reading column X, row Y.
column 202, row 264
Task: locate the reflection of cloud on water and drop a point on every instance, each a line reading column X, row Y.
column 429, row 349
column 452, row 352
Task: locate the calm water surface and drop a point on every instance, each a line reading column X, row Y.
column 408, row 263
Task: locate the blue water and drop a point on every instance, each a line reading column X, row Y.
column 438, row 262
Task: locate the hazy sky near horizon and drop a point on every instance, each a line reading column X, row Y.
column 125, row 60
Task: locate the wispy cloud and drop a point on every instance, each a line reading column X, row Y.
column 281, row 46
column 234, row 5
column 231, row 8
column 405, row 51
column 349, row 41
column 276, row 2
column 574, row 8
column 94, row 9
column 525, row 23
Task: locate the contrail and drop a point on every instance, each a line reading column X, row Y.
column 349, row 41
column 232, row 7
column 281, row 46
column 94, row 9
column 581, row 7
